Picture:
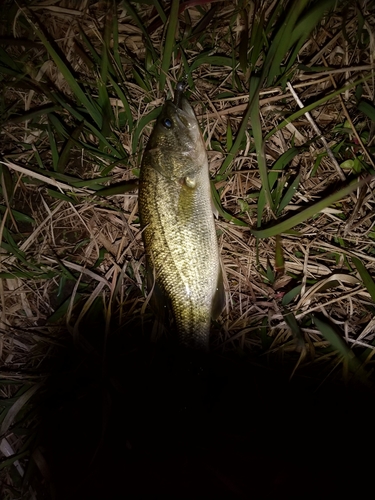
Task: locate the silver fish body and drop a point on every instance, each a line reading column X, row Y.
column 178, row 224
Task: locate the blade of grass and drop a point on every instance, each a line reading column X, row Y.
column 132, row 12
column 204, row 22
column 289, row 194
column 205, row 58
column 280, row 44
column 120, row 188
column 291, row 321
column 368, row 109
column 52, row 143
column 244, row 41
column 217, row 204
column 79, row 116
column 292, row 294
column 302, row 29
column 33, row 113
column 366, row 277
column 63, row 309
column 19, row 216
column 169, row 43
column 279, row 256
column 103, row 99
column 160, row 11
column 140, row 125
column 124, row 101
column 338, row 343
column 61, row 196
column 259, row 145
column 308, row 212
column 65, row 153
column 4, row 464
column 241, row 131
column 256, row 38
column 314, row 105
column 80, row 94
column 17, row 406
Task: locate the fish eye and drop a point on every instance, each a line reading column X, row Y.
column 167, row 123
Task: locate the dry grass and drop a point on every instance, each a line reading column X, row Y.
column 78, row 255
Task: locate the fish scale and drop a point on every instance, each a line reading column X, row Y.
column 178, row 224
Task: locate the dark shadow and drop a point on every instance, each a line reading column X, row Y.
column 155, row 421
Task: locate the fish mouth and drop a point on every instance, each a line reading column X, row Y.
column 185, row 114
column 182, row 112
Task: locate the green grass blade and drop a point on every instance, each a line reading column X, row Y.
column 338, row 343
column 169, row 43
column 259, row 146
column 256, row 39
column 244, row 42
column 279, row 256
column 11, row 246
column 229, row 141
column 281, row 43
column 63, row 309
column 205, row 21
column 291, row 321
column 103, row 100
column 227, row 216
column 367, row 109
column 160, row 11
column 34, row 113
column 79, row 116
column 56, row 122
column 140, row 125
column 261, row 206
column 286, row 158
column 7, row 462
column 254, row 91
column 80, row 94
column 85, row 40
column 65, row 153
column 291, row 295
column 61, row 196
column 285, row 225
column 205, row 58
column 119, row 188
column 124, row 101
column 315, row 105
column 132, row 12
column 6, row 183
column 18, row 216
column 20, row 402
column 366, row 277
column 291, row 191
column 53, row 146
column 304, row 27
column 115, row 48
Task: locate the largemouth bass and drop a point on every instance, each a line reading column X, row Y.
column 176, row 214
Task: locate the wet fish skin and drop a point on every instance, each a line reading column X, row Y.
column 178, row 224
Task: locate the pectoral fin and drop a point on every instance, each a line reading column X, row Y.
column 215, row 210
column 218, row 302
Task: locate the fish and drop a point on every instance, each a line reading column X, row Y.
column 177, row 220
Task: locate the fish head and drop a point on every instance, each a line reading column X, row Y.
column 177, row 140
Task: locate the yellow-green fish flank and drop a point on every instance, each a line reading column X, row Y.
column 177, row 220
